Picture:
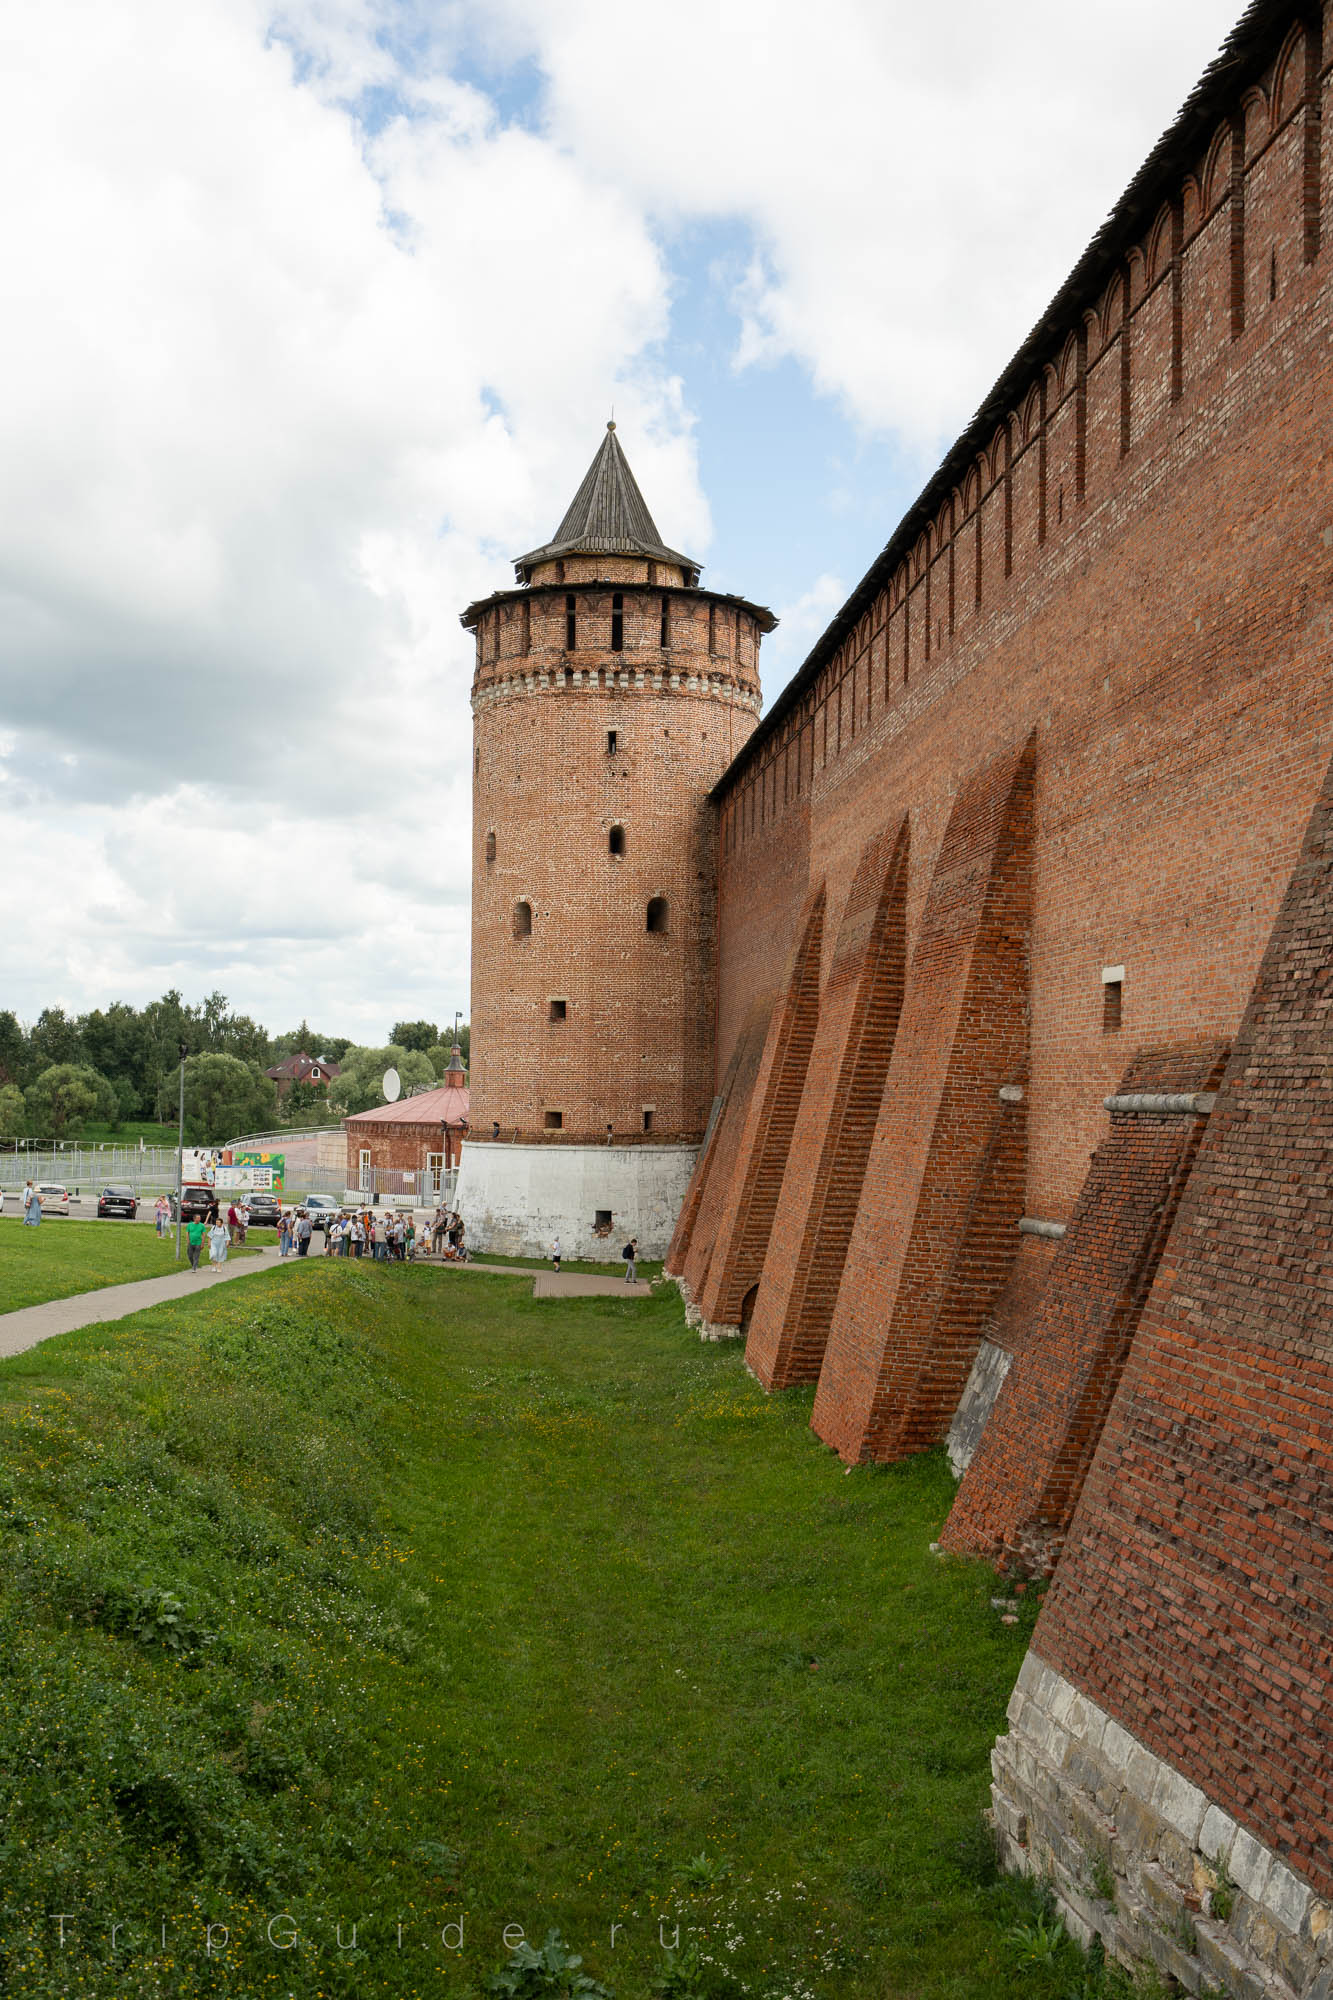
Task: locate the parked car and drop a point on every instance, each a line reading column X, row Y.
column 54, row 1197
column 322, row 1209
column 195, row 1202
column 118, row 1201
column 265, row 1210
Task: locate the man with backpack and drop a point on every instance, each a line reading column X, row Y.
column 630, row 1254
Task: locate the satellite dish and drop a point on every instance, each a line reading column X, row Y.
column 392, row 1086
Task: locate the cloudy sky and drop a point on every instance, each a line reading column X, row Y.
column 314, row 314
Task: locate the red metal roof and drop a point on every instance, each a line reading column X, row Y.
column 432, row 1107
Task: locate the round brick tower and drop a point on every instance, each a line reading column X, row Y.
column 610, row 695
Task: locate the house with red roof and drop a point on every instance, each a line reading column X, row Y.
column 302, row 1069
column 419, row 1138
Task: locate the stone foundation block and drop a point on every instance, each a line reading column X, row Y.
column 1075, row 1795
column 1286, row 1897
column 1250, row 1864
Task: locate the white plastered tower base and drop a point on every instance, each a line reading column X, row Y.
column 514, row 1199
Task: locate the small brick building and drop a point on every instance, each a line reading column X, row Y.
column 420, row 1136
column 302, row 1068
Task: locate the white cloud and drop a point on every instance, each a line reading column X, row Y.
column 799, row 625
column 302, row 342
column 281, row 399
column 918, row 179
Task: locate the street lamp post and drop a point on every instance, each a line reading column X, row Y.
column 180, row 1155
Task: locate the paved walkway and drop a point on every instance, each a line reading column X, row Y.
column 578, row 1285
column 32, row 1324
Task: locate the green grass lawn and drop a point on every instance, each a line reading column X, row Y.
column 367, row 1597
column 128, row 1134
column 63, row 1257
column 646, row 1269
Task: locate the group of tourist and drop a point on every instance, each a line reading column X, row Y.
column 448, row 1235
column 386, row 1238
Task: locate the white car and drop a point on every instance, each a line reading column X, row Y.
column 54, row 1197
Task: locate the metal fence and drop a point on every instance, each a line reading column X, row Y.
column 147, row 1169
column 392, row 1185
column 151, row 1170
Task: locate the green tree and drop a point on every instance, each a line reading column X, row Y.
column 13, row 1048
column 11, row 1111
column 414, row 1035
column 306, row 1040
column 360, row 1086
column 64, row 1097
column 55, row 1040
column 225, row 1097
column 305, row 1104
column 127, row 1100
column 115, row 1041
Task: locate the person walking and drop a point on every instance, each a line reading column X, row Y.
column 32, row 1206
column 217, row 1244
column 194, row 1242
column 161, row 1211
column 233, row 1223
column 243, row 1217
column 284, row 1233
column 304, row 1232
column 630, row 1253
column 555, row 1252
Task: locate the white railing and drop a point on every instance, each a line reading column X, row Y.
column 145, row 1168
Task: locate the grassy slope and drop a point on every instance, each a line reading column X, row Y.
column 63, row 1257
column 128, row 1134
column 647, row 1271
column 311, row 1586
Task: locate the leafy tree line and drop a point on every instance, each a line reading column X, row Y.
column 62, row 1073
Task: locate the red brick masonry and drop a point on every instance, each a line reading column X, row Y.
column 1195, row 1597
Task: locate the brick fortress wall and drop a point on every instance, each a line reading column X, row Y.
column 1128, row 561
column 1090, row 679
